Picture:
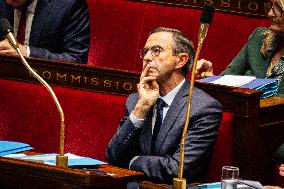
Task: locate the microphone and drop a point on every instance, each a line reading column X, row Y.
column 7, row 30
column 205, row 21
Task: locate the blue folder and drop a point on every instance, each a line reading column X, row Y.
column 269, row 86
column 11, row 147
column 81, row 162
column 72, row 162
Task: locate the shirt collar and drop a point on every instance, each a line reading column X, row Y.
column 31, row 8
column 168, row 98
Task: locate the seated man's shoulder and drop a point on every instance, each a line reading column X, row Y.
column 133, row 96
column 69, row 3
column 131, row 101
column 199, row 93
column 201, row 97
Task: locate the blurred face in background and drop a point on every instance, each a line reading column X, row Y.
column 18, row 3
column 277, row 17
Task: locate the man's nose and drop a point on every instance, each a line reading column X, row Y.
column 148, row 58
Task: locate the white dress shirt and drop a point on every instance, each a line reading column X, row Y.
column 30, row 16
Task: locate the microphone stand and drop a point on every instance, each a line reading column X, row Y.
column 180, row 182
column 61, row 160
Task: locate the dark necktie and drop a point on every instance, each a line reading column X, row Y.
column 159, row 119
column 22, row 27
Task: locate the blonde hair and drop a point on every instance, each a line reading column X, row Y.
column 282, row 3
column 269, row 37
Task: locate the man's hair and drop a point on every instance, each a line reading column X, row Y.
column 181, row 44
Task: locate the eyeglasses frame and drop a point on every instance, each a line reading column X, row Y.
column 144, row 51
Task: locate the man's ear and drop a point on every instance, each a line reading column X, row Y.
column 182, row 59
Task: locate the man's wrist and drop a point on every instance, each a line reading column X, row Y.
column 136, row 121
column 141, row 109
column 23, row 49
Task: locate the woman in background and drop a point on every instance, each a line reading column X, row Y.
column 262, row 56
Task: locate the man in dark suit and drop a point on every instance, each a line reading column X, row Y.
column 149, row 135
column 55, row 29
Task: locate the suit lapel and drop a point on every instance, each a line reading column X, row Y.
column 177, row 105
column 43, row 10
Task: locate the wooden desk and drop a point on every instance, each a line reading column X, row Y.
column 258, row 128
column 28, row 175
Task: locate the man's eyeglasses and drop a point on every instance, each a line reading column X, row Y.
column 276, row 8
column 155, row 51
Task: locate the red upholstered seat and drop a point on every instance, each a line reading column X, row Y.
column 119, row 28
column 223, row 148
column 28, row 114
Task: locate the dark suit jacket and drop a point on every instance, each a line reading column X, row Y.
column 162, row 166
column 60, row 29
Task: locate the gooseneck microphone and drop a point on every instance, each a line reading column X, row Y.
column 205, row 21
column 7, row 30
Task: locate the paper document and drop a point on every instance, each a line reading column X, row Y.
column 15, row 155
column 250, row 183
column 73, row 160
column 234, row 80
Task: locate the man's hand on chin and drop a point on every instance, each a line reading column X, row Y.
column 148, row 90
column 7, row 49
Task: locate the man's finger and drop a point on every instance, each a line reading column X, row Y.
column 9, row 52
column 199, row 64
column 144, row 72
column 3, row 46
column 147, row 79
